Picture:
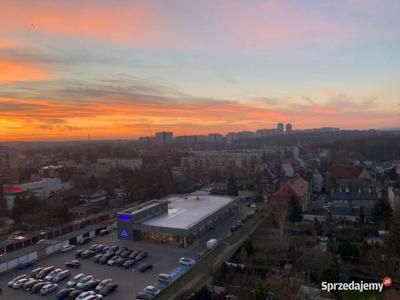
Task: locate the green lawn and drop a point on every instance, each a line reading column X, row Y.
column 354, row 295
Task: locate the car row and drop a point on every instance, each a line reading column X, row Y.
column 25, row 283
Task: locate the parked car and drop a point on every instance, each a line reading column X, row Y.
column 38, row 286
column 61, row 276
column 104, row 232
column 67, row 248
column 34, row 272
column 128, row 263
column 145, row 267
column 99, row 248
column 83, row 295
column 106, row 249
column 79, row 252
column 134, row 254
column 151, row 289
column 164, row 278
column 74, row 280
column 44, row 272
column 143, row 296
column 125, row 253
column 19, row 283
column 114, row 248
column 91, row 284
column 93, row 247
column 64, row 293
column 29, row 284
column 112, row 260
column 15, row 279
column 73, row 264
column 253, row 205
column 48, row 288
column 102, row 284
column 234, row 227
column 87, row 253
column 40, row 242
column 119, row 261
column 50, row 276
column 105, row 258
column 186, row 261
column 83, row 240
column 81, row 283
column 108, row 289
column 97, row 257
column 74, row 294
column 142, row 255
column 93, row 297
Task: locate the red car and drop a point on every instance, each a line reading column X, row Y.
column 44, row 272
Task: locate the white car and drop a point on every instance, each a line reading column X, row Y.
column 253, row 205
column 19, row 283
column 83, row 295
column 102, row 284
column 12, row 281
column 83, row 281
column 151, row 289
column 52, row 274
column 186, row 261
column 74, row 280
column 67, row 248
column 48, row 288
column 62, row 275
column 39, row 242
column 93, row 297
column 112, row 261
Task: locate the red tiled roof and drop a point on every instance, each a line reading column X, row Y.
column 345, row 172
column 297, row 187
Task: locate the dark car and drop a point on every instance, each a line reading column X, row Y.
column 234, row 228
column 114, row 248
column 129, row 263
column 64, row 293
column 143, row 296
column 106, row 249
column 119, row 251
column 145, row 267
column 75, row 293
column 93, row 247
column 44, row 272
column 26, row 264
column 29, row 284
column 133, row 254
column 104, row 232
column 99, row 248
column 35, row 272
column 73, row 264
column 97, row 257
column 90, row 285
column 38, row 286
column 79, row 252
column 125, row 253
column 87, row 253
column 84, row 240
column 109, row 288
column 141, row 255
column 119, row 261
column 105, row 258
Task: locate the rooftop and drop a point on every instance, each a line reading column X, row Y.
column 186, row 211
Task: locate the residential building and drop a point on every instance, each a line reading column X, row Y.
column 287, row 170
column 348, row 178
column 8, row 165
column 164, row 138
column 354, row 199
column 316, row 181
column 297, row 187
column 289, row 128
column 98, row 197
column 394, row 196
column 41, row 189
column 215, row 138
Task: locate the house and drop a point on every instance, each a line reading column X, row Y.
column 349, row 178
column 354, row 199
column 316, row 181
column 297, row 187
column 394, row 196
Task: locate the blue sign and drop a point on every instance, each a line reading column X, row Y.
column 124, row 218
column 124, row 233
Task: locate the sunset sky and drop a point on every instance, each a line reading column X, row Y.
column 123, row 69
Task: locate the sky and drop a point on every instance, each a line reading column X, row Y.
column 124, row 69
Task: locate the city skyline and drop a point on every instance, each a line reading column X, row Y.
column 124, row 70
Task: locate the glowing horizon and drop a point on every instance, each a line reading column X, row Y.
column 128, row 69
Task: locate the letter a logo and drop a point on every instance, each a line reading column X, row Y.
column 124, row 233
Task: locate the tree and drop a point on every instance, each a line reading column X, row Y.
column 232, row 187
column 295, row 213
column 260, row 292
column 382, row 212
column 315, row 228
column 362, row 216
column 394, row 233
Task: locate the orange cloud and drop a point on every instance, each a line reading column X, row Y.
column 14, row 70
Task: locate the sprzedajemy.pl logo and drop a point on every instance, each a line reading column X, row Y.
column 356, row 286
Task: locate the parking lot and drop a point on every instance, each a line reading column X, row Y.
column 130, row 281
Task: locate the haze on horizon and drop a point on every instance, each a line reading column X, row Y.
column 120, row 69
